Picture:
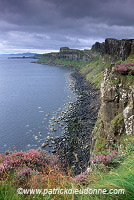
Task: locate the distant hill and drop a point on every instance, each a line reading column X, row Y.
column 28, row 54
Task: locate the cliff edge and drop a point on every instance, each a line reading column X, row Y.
column 116, row 114
column 107, row 67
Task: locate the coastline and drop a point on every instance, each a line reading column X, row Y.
column 73, row 148
column 56, row 65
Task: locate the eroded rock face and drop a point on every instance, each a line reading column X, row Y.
column 120, row 49
column 117, row 108
column 71, row 54
column 128, row 114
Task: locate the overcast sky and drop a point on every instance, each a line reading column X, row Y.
column 46, row 25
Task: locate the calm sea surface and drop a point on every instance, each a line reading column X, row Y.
column 31, row 98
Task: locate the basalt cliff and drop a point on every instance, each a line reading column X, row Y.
column 71, row 54
column 116, row 114
column 107, row 116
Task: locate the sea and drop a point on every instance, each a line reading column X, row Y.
column 33, row 100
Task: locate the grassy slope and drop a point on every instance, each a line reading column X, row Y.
column 63, row 62
column 93, row 70
column 121, row 177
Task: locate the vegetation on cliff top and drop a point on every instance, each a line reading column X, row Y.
column 108, row 169
column 92, row 70
column 36, row 169
column 63, row 62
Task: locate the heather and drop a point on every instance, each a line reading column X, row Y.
column 124, row 69
column 34, row 159
column 37, row 169
column 111, row 162
column 106, row 162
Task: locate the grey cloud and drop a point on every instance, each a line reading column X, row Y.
column 28, row 11
column 116, row 12
column 54, row 23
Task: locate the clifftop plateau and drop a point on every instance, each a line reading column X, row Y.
column 119, row 49
column 97, row 151
column 109, row 68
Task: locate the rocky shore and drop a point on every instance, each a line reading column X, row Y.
column 73, row 148
column 116, row 91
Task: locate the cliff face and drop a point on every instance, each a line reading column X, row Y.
column 117, row 108
column 116, row 115
column 115, row 60
column 71, row 54
column 119, row 49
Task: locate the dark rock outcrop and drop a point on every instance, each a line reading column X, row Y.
column 119, row 49
column 117, row 106
column 116, row 115
column 71, row 54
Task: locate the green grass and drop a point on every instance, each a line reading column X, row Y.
column 131, row 56
column 64, row 62
column 8, row 192
column 125, row 80
column 73, row 63
column 44, row 60
column 120, row 178
column 94, row 71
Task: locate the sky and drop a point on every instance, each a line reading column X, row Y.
column 43, row 26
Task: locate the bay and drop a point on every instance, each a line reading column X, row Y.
column 31, row 97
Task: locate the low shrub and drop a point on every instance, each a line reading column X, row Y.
column 33, row 160
column 106, row 162
column 124, row 69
